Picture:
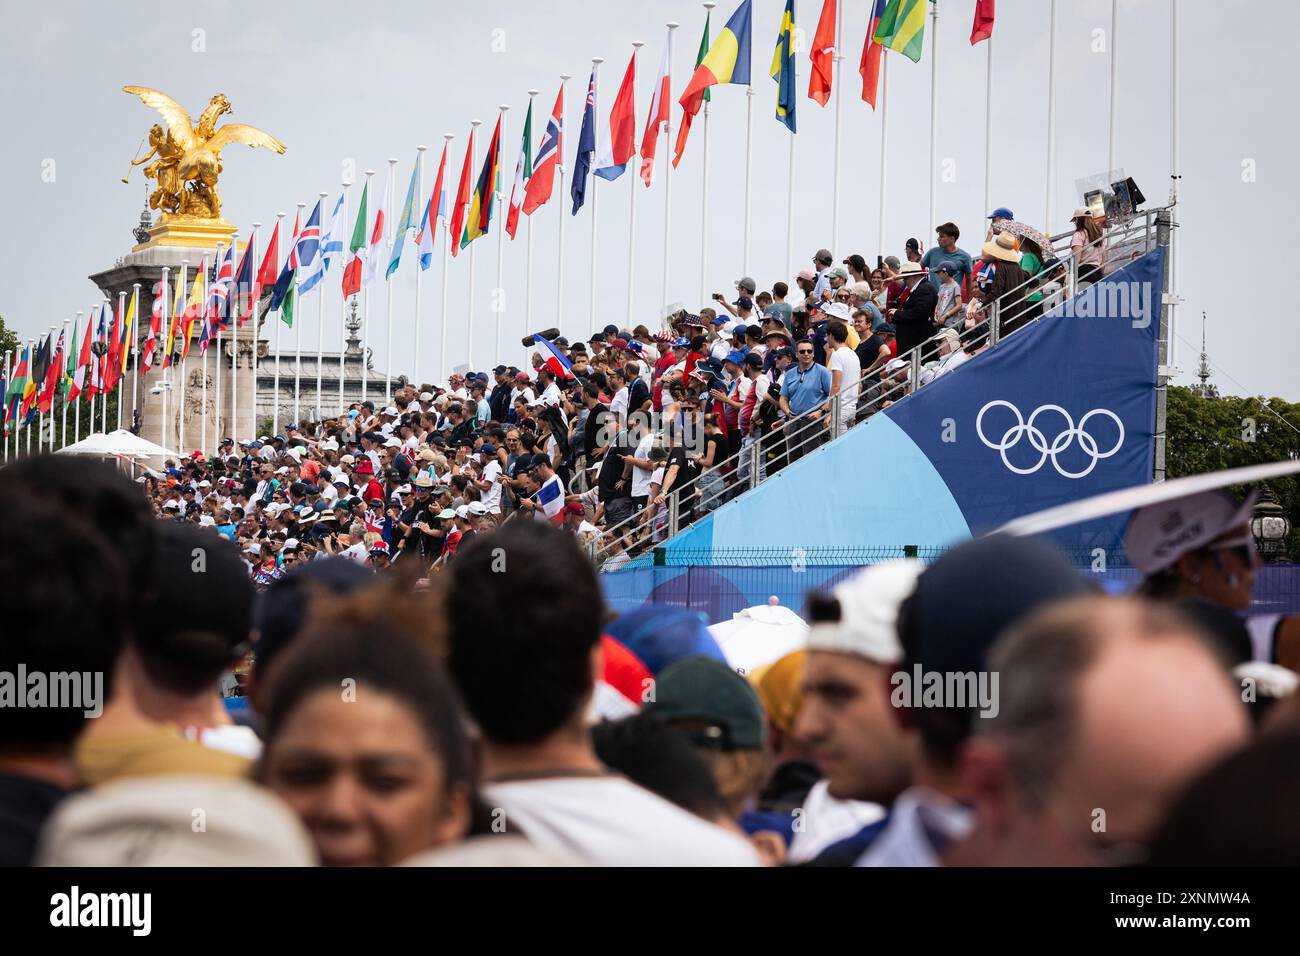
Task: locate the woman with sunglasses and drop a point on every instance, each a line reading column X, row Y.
column 1199, row 548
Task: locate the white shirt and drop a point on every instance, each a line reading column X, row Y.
column 640, row 476
column 618, row 405
column 492, row 497
column 845, row 360
column 950, row 362
column 610, row 821
column 918, row 817
column 527, row 394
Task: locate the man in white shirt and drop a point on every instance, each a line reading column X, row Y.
column 490, row 484
column 618, row 404
column 523, row 390
column 525, row 650
column 846, row 370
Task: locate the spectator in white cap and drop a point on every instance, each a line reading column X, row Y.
column 846, row 718
column 951, row 355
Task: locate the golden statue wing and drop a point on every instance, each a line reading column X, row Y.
column 178, row 120
column 243, row 133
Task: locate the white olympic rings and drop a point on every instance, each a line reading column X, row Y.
column 1038, row 440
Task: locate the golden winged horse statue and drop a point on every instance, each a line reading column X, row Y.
column 188, row 159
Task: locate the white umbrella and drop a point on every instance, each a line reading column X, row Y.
column 760, row 635
column 117, row 444
column 1128, row 499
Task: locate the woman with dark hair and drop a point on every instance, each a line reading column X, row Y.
column 711, row 485
column 363, row 732
column 1086, row 246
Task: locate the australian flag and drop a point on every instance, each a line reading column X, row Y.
column 586, row 147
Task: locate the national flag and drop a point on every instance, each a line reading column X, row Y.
column 542, row 182
column 218, row 301
column 243, row 285
column 586, row 147
column 380, row 225
column 17, row 387
column 332, row 241
column 35, row 378
column 783, row 69
column 311, row 264
column 728, row 57
column 982, row 28
column 435, row 207
column 356, row 249
column 287, row 270
column 290, row 302
column 45, row 399
column 869, row 66
column 461, row 203
column 523, row 170
column 406, row 222
column 555, row 359
column 551, row 497
column 480, row 207
column 84, row 358
column 690, row 109
column 822, row 54
column 267, row 272
column 128, row 333
column 170, row 353
column 155, row 325
column 902, row 28
column 620, row 147
column 113, row 357
column 192, row 308
column 4, row 387
column 97, row 351
column 661, row 101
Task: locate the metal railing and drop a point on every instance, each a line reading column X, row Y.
column 876, row 389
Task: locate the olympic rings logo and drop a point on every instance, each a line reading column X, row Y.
column 1038, row 441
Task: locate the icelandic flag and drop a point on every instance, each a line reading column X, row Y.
column 621, row 145
column 555, row 360
column 551, row 497
column 586, row 147
column 307, row 249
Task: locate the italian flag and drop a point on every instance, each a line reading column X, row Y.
column 357, row 249
column 523, row 172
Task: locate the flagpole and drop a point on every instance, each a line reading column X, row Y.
column 884, row 147
column 1114, row 63
column 704, row 189
column 365, row 323
column 528, row 258
column 934, row 99
column 135, row 354
column 596, row 61
column 31, row 355
column 789, row 214
column 392, row 237
column 631, row 214
column 839, row 117
column 988, row 121
column 559, row 168
column 419, row 272
column 667, row 166
column 103, row 411
column 254, row 267
column 232, row 309
column 121, row 304
column 469, row 320
column 4, row 406
column 749, row 168
column 446, row 245
column 76, row 415
column 1051, row 113
column 1174, row 178
column 63, row 373
column 275, row 385
column 203, row 438
column 216, row 426
column 320, row 313
column 180, row 395
column 499, row 297
column 343, row 313
column 297, row 329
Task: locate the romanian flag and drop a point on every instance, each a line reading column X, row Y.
column 822, row 54
column 727, row 60
column 480, row 206
column 982, row 28
column 902, row 28
column 783, row 68
column 871, row 50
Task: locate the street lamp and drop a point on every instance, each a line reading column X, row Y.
column 1271, row 528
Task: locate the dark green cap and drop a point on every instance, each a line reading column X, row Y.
column 701, row 690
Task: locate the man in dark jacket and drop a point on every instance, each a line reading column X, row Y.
column 914, row 319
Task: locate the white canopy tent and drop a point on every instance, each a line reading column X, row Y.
column 117, row 444
column 760, row 635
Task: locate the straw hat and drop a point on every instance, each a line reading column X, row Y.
column 1002, row 246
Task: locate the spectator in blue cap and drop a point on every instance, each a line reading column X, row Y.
column 947, row 310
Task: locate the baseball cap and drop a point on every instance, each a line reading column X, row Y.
column 488, row 448
column 949, row 267
column 747, row 284
column 704, row 691
column 735, row 358
column 868, row 612
column 744, row 302
column 887, row 328
column 807, row 275
column 1159, row 534
column 1002, row 212
column 611, row 330
column 477, row 508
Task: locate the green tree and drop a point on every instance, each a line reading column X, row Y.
column 9, row 341
column 1210, row 434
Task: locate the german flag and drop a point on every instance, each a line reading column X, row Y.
column 480, row 207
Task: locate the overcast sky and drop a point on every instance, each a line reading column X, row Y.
column 347, row 85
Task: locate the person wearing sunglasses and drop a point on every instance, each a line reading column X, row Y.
column 1199, row 548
